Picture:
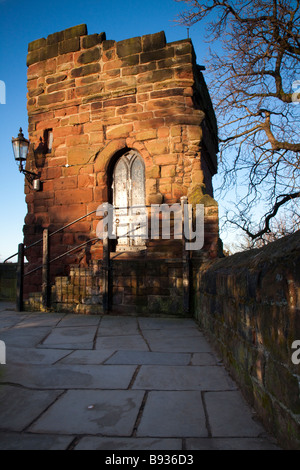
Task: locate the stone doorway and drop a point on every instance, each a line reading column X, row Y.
column 129, row 200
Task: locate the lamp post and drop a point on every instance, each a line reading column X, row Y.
column 20, row 147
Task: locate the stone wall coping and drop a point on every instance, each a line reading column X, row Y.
column 285, row 249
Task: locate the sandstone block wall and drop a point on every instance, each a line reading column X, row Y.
column 157, row 290
column 249, row 304
column 133, row 290
column 99, row 98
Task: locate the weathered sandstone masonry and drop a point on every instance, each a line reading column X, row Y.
column 249, row 304
column 90, row 102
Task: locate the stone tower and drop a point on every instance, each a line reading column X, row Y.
column 128, row 122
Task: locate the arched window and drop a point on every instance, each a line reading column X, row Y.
column 128, row 188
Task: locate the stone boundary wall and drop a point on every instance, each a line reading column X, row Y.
column 8, row 281
column 249, row 305
column 148, row 287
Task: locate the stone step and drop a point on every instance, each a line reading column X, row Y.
column 34, row 302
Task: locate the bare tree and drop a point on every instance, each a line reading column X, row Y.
column 282, row 226
column 256, row 94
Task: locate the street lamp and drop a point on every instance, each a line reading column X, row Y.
column 20, row 147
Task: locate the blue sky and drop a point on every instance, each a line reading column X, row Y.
column 24, row 21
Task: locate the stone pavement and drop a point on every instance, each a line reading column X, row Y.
column 117, row 383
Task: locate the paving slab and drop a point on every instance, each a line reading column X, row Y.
column 113, row 325
column 204, row 359
column 235, row 443
column 36, row 320
column 173, row 414
column 19, row 407
column 168, row 343
column 148, row 358
column 88, row 345
column 79, row 320
column 69, row 376
column 16, row 316
column 183, row 332
column 229, row 416
column 132, row 342
column 12, row 441
column 88, row 357
column 156, row 323
column 77, row 337
column 111, row 412
column 129, row 443
column 117, row 383
column 37, row 356
column 183, row 378
column 8, row 319
column 25, row 337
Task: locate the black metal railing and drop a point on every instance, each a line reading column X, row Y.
column 45, row 266
column 46, row 261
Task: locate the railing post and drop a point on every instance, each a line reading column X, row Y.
column 20, row 278
column 45, row 272
column 106, row 273
column 185, row 255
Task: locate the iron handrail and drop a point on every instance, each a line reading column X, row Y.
column 62, row 255
column 72, row 223
column 75, row 248
column 53, row 233
column 46, row 262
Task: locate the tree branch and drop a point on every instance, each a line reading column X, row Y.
column 285, row 198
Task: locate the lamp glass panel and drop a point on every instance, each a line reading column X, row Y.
column 23, row 150
column 16, row 149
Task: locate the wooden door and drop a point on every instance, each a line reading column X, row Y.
column 130, row 219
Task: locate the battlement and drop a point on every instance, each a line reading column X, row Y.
column 82, row 68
